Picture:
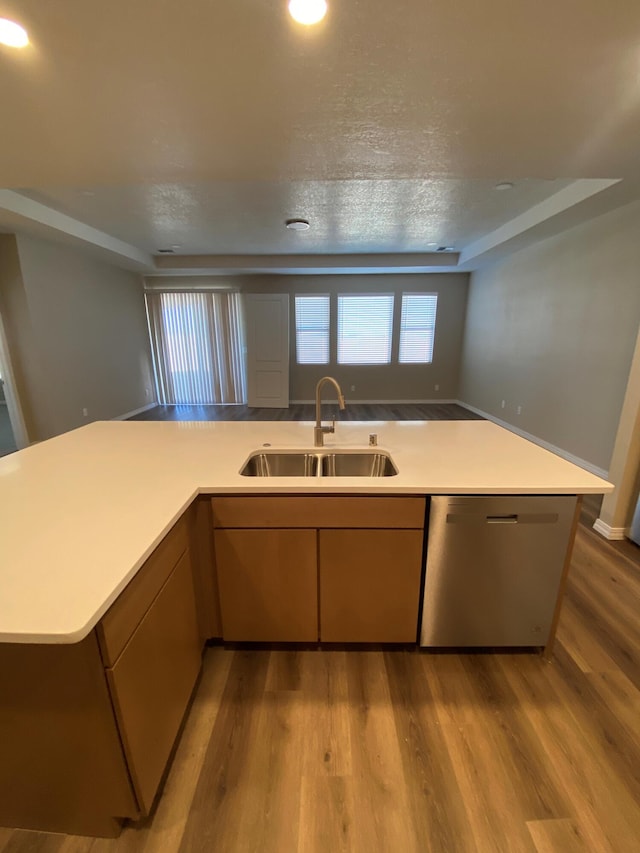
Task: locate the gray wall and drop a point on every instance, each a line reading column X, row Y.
column 77, row 335
column 553, row 329
column 379, row 382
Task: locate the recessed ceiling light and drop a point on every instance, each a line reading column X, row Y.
column 307, row 11
column 504, row 185
column 431, row 244
column 297, row 224
column 12, row 34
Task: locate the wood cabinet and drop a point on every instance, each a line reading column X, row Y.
column 86, row 729
column 151, row 645
column 355, row 561
column 151, row 681
column 61, row 763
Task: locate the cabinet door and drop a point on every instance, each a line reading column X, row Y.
column 268, row 585
column 152, row 680
column 370, row 585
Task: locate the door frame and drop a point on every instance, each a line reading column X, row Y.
column 14, row 408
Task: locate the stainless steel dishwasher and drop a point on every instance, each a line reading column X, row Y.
column 493, row 569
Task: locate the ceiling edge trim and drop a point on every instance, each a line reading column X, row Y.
column 35, row 212
column 556, row 204
column 307, row 264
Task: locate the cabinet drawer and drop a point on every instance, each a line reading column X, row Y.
column 120, row 621
column 151, row 682
column 329, row 511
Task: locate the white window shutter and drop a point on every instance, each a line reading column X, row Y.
column 365, row 328
column 417, row 327
column 312, row 329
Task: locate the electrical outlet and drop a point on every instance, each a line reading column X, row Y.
column 85, row 413
column 436, row 387
column 519, row 410
column 503, row 405
column 353, row 387
column 147, row 392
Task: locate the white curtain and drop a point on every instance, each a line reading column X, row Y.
column 198, row 347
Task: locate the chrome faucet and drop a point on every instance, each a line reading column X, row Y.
column 319, row 430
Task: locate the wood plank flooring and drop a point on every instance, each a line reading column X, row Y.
column 405, row 751
column 307, row 412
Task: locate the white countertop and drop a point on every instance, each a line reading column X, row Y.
column 81, row 512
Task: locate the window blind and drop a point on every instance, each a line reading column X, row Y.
column 417, row 327
column 197, row 340
column 365, row 327
column 312, row 329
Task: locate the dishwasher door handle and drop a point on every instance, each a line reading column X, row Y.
column 475, row 518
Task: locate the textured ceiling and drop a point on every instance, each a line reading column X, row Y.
column 206, row 124
column 349, row 216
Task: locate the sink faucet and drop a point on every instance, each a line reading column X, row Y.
column 319, row 430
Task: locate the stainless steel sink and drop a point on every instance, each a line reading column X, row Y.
column 281, row 465
column 366, row 464
column 321, row 464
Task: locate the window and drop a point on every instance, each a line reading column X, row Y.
column 365, row 328
column 417, row 327
column 312, row 329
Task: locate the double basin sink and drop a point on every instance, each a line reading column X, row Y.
column 320, row 463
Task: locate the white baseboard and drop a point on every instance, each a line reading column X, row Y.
column 135, row 412
column 380, row 402
column 612, row 533
column 581, row 463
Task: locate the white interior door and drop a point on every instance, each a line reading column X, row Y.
column 267, row 324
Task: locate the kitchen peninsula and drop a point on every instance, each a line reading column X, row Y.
column 106, row 532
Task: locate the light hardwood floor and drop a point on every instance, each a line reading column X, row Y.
column 404, row 751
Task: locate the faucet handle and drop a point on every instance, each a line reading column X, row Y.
column 332, row 428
